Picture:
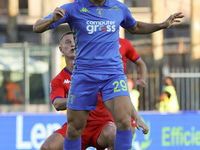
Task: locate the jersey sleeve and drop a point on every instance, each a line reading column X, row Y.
column 65, row 19
column 56, row 89
column 132, row 54
column 128, row 20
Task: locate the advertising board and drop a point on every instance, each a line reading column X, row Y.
column 167, row 131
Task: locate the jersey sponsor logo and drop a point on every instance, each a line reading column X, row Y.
column 115, row 8
column 66, row 81
column 84, row 10
column 100, row 11
column 102, row 26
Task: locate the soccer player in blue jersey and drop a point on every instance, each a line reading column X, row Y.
column 98, row 65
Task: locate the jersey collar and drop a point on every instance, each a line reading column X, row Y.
column 66, row 70
column 89, row 4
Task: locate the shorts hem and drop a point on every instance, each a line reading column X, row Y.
column 108, row 98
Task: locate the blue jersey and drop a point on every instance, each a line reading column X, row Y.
column 96, row 34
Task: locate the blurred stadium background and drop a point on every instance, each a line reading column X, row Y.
column 32, row 60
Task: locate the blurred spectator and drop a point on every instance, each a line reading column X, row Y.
column 13, row 93
column 134, row 94
column 168, row 99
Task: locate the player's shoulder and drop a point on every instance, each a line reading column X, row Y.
column 60, row 76
column 56, row 78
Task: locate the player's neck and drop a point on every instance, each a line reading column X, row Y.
column 97, row 2
column 70, row 65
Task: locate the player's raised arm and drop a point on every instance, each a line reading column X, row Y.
column 43, row 25
column 146, row 28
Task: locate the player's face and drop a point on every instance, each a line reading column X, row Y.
column 67, row 46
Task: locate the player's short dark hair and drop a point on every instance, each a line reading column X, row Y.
column 66, row 33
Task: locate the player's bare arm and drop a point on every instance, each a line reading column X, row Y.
column 142, row 69
column 43, row 25
column 146, row 28
column 60, row 104
column 138, row 121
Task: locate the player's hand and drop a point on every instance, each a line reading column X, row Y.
column 58, row 14
column 141, row 82
column 139, row 123
column 173, row 19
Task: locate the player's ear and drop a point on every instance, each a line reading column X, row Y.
column 60, row 48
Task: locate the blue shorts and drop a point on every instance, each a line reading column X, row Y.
column 83, row 93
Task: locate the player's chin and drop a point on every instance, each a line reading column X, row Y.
column 72, row 53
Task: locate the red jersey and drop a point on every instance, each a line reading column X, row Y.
column 60, row 87
column 127, row 51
